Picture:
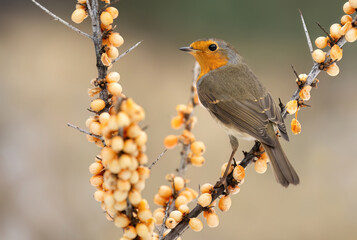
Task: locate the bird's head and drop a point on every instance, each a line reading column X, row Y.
column 212, row 53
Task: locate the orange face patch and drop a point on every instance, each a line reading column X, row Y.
column 208, row 59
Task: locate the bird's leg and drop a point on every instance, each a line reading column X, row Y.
column 223, row 180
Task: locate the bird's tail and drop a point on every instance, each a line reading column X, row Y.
column 283, row 171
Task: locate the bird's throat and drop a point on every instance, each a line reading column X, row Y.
column 209, row 63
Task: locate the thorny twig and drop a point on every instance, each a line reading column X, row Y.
column 158, row 158
column 62, row 21
column 127, row 51
column 86, row 132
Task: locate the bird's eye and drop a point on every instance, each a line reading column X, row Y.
column 212, row 47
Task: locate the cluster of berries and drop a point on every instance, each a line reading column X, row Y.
column 184, row 118
column 111, row 40
column 346, row 30
column 119, row 171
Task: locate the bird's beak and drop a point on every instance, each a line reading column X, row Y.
column 187, row 49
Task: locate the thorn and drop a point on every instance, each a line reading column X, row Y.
column 306, row 33
column 328, row 35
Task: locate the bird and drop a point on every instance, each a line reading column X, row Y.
column 237, row 100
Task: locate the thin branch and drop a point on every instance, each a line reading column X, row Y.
column 306, row 33
column 62, row 21
column 127, row 51
column 158, row 158
column 83, row 131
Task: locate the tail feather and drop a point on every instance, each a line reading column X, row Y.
column 283, row 171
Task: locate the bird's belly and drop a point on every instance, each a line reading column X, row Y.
column 235, row 132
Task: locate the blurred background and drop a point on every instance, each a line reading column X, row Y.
column 45, row 72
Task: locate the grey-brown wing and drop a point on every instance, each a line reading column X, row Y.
column 249, row 108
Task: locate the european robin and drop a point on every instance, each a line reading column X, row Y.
column 234, row 96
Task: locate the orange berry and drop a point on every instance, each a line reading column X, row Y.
column 170, row 141
column 295, row 126
column 96, row 180
column 212, row 220
column 142, row 230
column 233, row 190
column 336, row 53
column 104, row 118
column 134, row 197
column 260, row 166
column 159, row 216
column 116, row 39
column 348, row 9
column 345, row 19
column 195, row 224
column 79, row 15
column 319, row 56
column 225, row 203
column 302, row 77
column 197, row 161
column 170, row 223
column 141, row 139
column 321, row 42
column 106, row 18
column 97, row 105
column 184, row 209
column 121, row 221
column 305, row 93
column 112, row 77
column 180, row 200
column 115, row 89
column 99, row 195
column 105, row 60
column 351, row 35
column 176, row 122
column 112, row 52
column 120, row 206
column 113, row 11
column 335, row 31
column 178, row 183
column 239, row 173
column 205, row 199
column 95, row 168
column 158, row 200
column 165, row 191
column 292, row 107
column 333, row 70
column 130, row 232
column 345, row 28
column 206, row 188
column 176, row 215
column 353, row 3
column 198, row 148
column 117, row 143
column 187, row 194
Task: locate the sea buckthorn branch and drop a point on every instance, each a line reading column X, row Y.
column 119, row 172
column 338, row 36
column 172, row 200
